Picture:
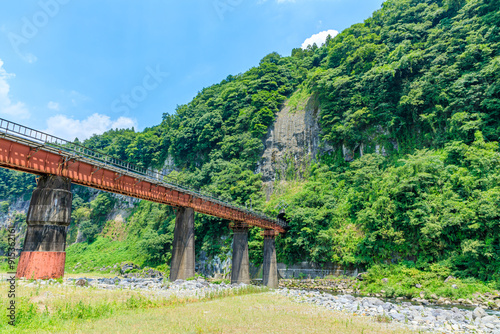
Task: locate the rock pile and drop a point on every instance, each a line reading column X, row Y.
column 485, row 300
column 417, row 317
column 338, row 285
column 156, row 286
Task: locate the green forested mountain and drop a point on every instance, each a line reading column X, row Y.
column 409, row 99
column 426, row 72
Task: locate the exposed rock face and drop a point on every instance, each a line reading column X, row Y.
column 123, row 208
column 18, row 207
column 379, row 142
column 294, row 141
column 291, row 143
column 215, row 267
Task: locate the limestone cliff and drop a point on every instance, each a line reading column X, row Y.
column 291, row 143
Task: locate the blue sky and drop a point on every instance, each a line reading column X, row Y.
column 74, row 68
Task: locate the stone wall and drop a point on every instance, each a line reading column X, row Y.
column 313, row 270
column 306, row 270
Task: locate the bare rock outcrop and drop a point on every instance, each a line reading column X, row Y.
column 291, row 143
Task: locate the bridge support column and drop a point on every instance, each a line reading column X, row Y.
column 270, row 266
column 49, row 215
column 183, row 260
column 240, row 268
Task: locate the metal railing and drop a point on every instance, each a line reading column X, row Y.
column 75, row 151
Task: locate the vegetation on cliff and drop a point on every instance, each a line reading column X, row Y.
column 433, row 206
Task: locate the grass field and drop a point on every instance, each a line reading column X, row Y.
column 256, row 313
column 67, row 309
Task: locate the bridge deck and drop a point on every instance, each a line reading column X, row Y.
column 35, row 152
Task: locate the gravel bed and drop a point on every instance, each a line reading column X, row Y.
column 416, row 317
column 149, row 286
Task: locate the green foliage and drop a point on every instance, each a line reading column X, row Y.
column 147, row 240
column 429, row 207
column 296, row 101
column 91, row 218
column 427, row 70
column 211, row 235
column 4, row 207
column 219, row 281
column 402, row 280
column 101, row 206
column 155, row 246
column 15, row 184
column 102, row 252
column 217, row 137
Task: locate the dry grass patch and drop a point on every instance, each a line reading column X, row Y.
column 256, row 313
column 115, row 229
column 91, row 275
column 51, row 308
column 69, row 309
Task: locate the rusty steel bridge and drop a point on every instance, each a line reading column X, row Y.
column 32, row 151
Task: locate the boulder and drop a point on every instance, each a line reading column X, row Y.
column 397, row 316
column 479, row 312
column 372, row 301
column 82, row 282
column 360, row 276
column 458, row 317
column 489, row 318
column 449, row 278
column 126, row 267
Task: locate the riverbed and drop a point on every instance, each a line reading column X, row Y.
column 433, row 318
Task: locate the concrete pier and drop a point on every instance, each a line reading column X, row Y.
column 183, row 259
column 44, row 252
column 240, row 269
column 270, row 266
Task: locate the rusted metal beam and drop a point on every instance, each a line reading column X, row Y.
column 20, row 156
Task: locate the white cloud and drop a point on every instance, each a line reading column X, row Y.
column 70, row 128
column 14, row 110
column 53, row 105
column 319, row 38
column 124, row 123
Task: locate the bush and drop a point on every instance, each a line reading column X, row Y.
column 402, row 282
column 4, row 207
